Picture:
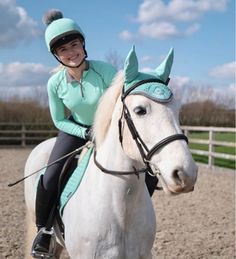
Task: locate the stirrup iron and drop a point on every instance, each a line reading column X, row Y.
column 52, row 246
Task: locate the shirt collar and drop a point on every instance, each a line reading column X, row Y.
column 70, row 78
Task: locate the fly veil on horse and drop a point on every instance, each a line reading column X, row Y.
column 136, row 130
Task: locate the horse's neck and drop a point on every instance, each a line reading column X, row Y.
column 111, row 156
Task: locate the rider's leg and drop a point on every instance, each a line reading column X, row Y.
column 47, row 187
column 43, row 205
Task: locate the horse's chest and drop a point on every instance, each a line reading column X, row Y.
column 112, row 229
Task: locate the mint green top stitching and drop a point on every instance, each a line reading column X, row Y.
column 81, row 98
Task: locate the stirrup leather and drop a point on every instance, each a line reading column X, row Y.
column 52, row 247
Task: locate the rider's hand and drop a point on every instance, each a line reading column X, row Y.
column 89, row 133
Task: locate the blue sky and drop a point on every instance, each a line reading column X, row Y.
column 202, row 33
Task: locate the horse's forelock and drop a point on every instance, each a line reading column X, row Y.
column 106, row 107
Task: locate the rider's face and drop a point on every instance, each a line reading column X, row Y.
column 71, row 53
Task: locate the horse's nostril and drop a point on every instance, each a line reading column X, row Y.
column 178, row 177
column 176, row 174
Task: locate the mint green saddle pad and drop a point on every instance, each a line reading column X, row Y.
column 74, row 180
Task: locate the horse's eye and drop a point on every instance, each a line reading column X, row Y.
column 140, row 110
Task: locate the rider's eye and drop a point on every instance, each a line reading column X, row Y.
column 140, row 110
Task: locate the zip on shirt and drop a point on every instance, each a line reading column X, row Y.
column 81, row 85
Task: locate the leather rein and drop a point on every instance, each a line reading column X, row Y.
column 145, row 153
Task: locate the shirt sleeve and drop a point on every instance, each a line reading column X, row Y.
column 106, row 71
column 109, row 75
column 57, row 110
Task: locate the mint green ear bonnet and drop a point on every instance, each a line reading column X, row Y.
column 157, row 80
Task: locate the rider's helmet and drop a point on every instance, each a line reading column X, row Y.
column 61, row 30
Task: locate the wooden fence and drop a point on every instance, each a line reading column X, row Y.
column 211, row 142
column 25, row 134
column 28, row 135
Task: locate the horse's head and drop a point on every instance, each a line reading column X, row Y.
column 150, row 108
column 147, row 116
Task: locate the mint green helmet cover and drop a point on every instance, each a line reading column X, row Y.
column 156, row 91
column 59, row 28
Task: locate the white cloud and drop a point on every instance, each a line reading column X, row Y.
column 150, row 11
column 146, row 69
column 225, row 95
column 178, row 10
column 187, row 90
column 160, row 30
column 38, row 93
column 192, row 29
column 147, row 58
column 15, row 24
column 126, row 35
column 160, row 19
column 23, row 74
column 24, row 81
column 226, row 71
column 228, row 90
column 180, row 86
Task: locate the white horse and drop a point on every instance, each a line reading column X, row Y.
column 111, row 214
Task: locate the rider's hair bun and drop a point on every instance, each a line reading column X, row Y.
column 52, row 15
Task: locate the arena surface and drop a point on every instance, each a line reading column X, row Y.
column 196, row 225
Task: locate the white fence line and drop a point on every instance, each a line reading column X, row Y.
column 211, row 142
column 26, row 134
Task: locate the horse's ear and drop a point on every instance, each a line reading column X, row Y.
column 163, row 70
column 131, row 66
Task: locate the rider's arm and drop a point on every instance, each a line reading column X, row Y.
column 57, row 110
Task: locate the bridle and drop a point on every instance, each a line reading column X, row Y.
column 145, row 153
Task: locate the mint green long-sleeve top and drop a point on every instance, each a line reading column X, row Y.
column 81, row 98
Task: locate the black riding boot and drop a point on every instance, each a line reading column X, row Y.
column 151, row 182
column 44, row 204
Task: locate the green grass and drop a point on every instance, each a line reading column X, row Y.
column 228, row 137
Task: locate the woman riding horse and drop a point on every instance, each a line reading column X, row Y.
column 77, row 86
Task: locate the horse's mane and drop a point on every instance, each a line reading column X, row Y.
column 106, row 107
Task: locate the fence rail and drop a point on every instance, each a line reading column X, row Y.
column 25, row 135
column 211, row 142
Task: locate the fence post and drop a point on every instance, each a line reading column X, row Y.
column 23, row 131
column 211, row 148
column 186, row 132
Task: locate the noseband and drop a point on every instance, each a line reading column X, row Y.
column 145, row 153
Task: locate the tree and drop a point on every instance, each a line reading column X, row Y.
column 207, row 113
column 115, row 59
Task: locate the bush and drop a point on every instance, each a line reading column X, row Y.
column 195, row 114
column 27, row 112
column 206, row 113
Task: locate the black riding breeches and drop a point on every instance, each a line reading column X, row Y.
column 65, row 143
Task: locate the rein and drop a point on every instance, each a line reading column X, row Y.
column 108, row 171
column 145, row 153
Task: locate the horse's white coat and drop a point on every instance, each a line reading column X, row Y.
column 112, row 216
